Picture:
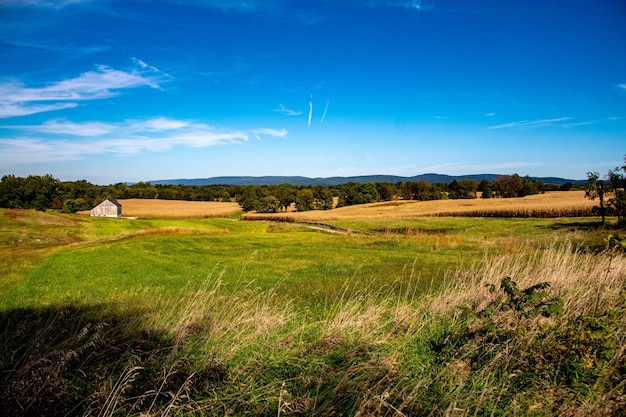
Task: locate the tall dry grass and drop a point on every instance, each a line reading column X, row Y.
column 523, row 362
column 586, row 281
column 461, row 350
column 362, row 349
column 230, row 319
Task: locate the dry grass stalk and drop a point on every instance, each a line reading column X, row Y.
column 116, row 395
column 581, row 279
column 235, row 318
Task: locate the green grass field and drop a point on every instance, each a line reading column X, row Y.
column 108, row 260
column 229, row 317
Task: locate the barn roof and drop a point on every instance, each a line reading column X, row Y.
column 112, row 200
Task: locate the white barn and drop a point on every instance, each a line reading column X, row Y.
column 108, row 208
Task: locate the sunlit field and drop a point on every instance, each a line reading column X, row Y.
column 550, row 204
column 218, row 316
column 154, row 208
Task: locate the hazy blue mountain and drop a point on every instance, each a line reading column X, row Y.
column 275, row 180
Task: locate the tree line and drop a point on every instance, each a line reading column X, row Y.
column 46, row 192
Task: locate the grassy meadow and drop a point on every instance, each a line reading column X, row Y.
column 218, row 316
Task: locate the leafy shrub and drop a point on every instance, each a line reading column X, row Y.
column 530, row 301
column 615, row 243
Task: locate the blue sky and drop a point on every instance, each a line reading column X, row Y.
column 133, row 90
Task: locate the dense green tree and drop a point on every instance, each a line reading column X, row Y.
column 361, row 193
column 322, row 198
column 387, row 191
column 268, row 204
column 250, row 197
column 484, row 183
column 367, row 192
column 486, row 188
column 38, row 192
column 286, row 193
column 69, row 206
column 462, row 189
column 531, row 186
column 11, row 190
column 305, row 200
column 224, row 196
column 166, row 192
column 617, row 182
column 421, row 191
column 406, row 190
column 597, row 188
column 508, row 186
column 143, row 190
column 84, row 194
column 121, row 190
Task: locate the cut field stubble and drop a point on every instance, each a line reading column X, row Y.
column 550, row 204
column 145, row 208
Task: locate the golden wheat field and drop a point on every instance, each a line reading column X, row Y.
column 550, row 204
column 136, row 207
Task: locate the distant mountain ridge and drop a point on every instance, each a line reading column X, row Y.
column 296, row 180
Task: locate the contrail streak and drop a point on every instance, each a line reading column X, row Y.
column 310, row 110
column 325, row 110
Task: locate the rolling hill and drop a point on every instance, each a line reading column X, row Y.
column 297, row 180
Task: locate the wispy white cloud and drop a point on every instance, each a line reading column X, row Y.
column 31, row 150
column 270, row 132
column 468, row 168
column 325, row 111
column 9, row 109
column 55, row 4
column 621, row 88
column 420, row 5
column 490, row 114
column 310, row 110
column 289, row 112
column 150, row 68
column 530, row 123
column 19, row 100
column 590, row 122
column 50, row 45
column 235, row 6
column 56, row 127
column 162, row 124
column 238, row 6
column 576, row 124
column 56, row 141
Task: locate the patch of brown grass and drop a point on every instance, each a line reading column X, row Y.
column 26, row 235
column 550, row 204
column 175, row 208
column 37, row 218
column 588, row 282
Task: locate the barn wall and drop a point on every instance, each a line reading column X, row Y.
column 106, row 209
